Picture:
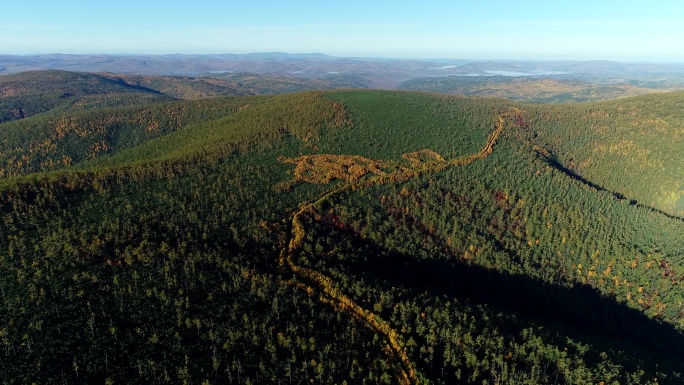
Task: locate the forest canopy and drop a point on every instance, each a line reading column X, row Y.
column 343, row 237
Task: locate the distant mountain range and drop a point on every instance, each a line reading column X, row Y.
column 377, row 73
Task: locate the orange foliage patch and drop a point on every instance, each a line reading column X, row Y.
column 425, row 155
column 323, row 168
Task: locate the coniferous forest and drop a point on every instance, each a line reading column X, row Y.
column 338, row 237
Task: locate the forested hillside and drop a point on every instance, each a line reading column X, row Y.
column 631, row 147
column 30, row 93
column 39, row 92
column 343, row 237
column 233, row 84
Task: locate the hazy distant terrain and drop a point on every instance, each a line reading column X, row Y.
column 533, row 89
column 371, row 72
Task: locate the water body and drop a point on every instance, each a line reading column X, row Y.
column 518, row 73
column 444, row 67
column 505, row 72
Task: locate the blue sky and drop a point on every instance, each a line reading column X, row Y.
column 647, row 30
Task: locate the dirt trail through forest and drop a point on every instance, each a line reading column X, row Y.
column 315, row 282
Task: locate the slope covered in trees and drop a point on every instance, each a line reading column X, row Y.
column 27, row 94
column 30, row 93
column 234, row 84
column 357, row 236
column 631, row 147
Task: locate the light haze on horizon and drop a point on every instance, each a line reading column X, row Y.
column 626, row 30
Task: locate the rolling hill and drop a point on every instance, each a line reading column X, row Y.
column 532, row 89
column 344, row 237
column 31, row 93
column 239, row 84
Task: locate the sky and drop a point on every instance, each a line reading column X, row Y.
column 627, row 30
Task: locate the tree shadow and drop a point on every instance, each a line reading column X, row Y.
column 579, row 312
column 548, row 157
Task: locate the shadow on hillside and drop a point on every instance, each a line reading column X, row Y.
column 552, row 161
column 120, row 82
column 579, row 312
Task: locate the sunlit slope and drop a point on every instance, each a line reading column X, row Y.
column 632, row 146
column 203, row 126
column 387, row 124
column 43, row 143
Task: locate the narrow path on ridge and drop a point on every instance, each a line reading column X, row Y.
column 313, row 281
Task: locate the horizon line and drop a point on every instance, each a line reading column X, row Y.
column 366, row 57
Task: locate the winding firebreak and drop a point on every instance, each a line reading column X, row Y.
column 312, row 280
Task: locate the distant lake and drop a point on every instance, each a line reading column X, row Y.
column 505, row 72
column 443, row 67
column 517, row 73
